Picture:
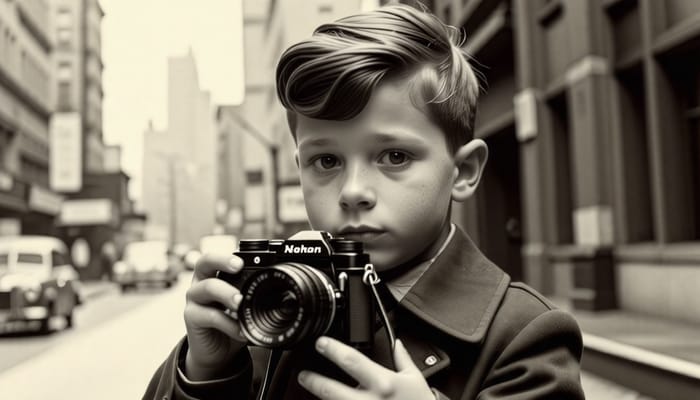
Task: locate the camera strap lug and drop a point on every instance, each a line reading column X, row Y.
column 371, row 279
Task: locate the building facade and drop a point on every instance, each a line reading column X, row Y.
column 592, row 192
column 274, row 205
column 77, row 59
column 180, row 170
column 230, row 206
column 27, row 205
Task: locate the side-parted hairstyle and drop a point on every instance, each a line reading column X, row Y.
column 332, row 74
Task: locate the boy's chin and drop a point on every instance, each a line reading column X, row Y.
column 388, row 263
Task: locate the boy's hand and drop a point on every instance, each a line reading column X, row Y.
column 376, row 382
column 214, row 338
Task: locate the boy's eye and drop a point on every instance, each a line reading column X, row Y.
column 394, row 158
column 326, row 162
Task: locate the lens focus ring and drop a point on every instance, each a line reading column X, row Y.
column 286, row 304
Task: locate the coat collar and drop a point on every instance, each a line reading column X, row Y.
column 460, row 292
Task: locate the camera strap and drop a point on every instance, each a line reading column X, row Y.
column 371, row 279
column 272, row 361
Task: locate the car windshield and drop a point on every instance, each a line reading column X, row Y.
column 29, row 263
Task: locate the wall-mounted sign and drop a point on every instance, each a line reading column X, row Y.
column 291, row 204
column 87, row 212
column 44, row 200
column 66, row 152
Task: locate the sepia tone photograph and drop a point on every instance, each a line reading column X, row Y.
column 350, row 199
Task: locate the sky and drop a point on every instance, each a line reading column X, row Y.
column 138, row 36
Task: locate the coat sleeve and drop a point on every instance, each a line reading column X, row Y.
column 541, row 362
column 167, row 385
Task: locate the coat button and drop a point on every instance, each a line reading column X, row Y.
column 430, row 360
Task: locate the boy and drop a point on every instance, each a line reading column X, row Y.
column 381, row 106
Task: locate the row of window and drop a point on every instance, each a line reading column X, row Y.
column 18, row 63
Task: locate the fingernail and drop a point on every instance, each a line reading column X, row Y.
column 237, row 299
column 303, row 376
column 321, row 344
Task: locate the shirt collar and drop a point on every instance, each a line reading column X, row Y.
column 400, row 285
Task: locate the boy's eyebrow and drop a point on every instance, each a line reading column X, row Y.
column 392, row 138
column 316, row 142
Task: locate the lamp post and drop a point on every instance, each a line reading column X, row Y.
column 273, row 149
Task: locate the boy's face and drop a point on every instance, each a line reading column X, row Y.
column 384, row 177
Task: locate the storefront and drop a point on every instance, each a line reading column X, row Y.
column 43, row 206
column 12, row 204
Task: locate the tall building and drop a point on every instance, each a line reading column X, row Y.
column 231, row 185
column 27, row 205
column 274, row 203
column 180, row 169
column 78, row 64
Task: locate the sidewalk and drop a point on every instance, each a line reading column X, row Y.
column 667, row 346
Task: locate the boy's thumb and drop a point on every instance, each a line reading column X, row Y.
column 402, row 359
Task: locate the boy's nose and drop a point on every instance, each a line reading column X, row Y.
column 356, row 193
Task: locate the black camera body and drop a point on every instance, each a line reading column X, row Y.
column 298, row 289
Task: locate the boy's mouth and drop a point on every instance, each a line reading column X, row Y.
column 362, row 233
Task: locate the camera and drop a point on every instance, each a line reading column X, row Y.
column 298, row 289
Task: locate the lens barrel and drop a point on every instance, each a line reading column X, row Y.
column 286, row 304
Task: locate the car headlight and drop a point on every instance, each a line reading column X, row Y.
column 120, row 267
column 31, row 295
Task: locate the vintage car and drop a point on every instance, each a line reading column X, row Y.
column 37, row 283
column 146, row 262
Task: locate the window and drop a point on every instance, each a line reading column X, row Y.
column 64, row 19
column 65, row 71
column 64, row 96
column 29, row 258
column 64, row 36
column 635, row 186
column 58, row 259
column 562, row 225
column 4, row 257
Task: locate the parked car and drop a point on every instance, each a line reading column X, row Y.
column 146, row 262
column 37, row 283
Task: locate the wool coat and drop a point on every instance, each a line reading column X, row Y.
column 472, row 332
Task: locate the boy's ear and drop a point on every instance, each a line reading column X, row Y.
column 470, row 160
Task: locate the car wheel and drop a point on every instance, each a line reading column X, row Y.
column 168, row 284
column 69, row 320
column 125, row 288
column 45, row 327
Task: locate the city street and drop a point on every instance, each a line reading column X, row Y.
column 118, row 342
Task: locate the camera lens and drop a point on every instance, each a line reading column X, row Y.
column 286, row 304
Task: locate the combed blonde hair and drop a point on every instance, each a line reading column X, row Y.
column 332, row 74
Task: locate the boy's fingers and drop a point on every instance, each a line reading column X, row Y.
column 207, row 317
column 325, row 388
column 208, row 264
column 402, row 359
column 366, row 372
column 211, row 291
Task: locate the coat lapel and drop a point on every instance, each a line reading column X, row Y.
column 458, row 295
column 460, row 292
